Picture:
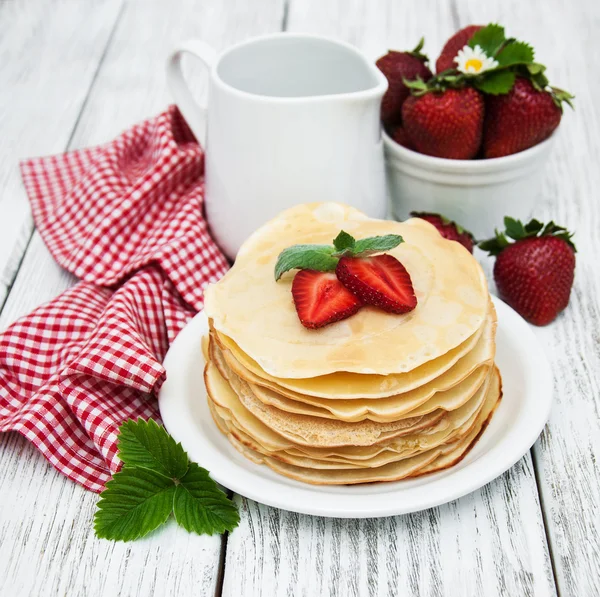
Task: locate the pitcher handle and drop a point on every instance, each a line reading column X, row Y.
column 194, row 113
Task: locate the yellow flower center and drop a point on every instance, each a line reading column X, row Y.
column 473, row 63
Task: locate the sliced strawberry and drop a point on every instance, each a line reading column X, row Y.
column 381, row 281
column 320, row 298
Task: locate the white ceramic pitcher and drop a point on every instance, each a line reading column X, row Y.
column 290, row 119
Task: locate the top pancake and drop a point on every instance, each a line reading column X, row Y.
column 258, row 314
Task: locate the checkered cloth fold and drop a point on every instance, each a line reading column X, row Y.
column 127, row 219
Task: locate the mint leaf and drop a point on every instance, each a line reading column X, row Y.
column 489, row 39
column 515, row 52
column 145, row 444
column 317, row 257
column 496, row 82
column 376, row 244
column 200, row 506
column 135, row 502
column 343, row 241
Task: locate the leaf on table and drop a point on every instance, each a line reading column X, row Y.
column 135, row 502
column 201, row 507
column 148, row 445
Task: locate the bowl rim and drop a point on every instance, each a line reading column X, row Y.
column 472, row 166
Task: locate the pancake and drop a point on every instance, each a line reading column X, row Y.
column 258, row 315
column 460, row 424
column 303, row 430
column 417, row 402
column 444, row 372
column 423, row 463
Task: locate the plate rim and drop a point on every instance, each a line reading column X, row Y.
column 309, row 499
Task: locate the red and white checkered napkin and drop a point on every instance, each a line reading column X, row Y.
column 126, row 218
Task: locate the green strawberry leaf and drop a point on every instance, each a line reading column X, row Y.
column 317, row 257
column 201, row 507
column 535, row 68
column 495, row 82
column 560, row 95
column 147, row 445
column 514, row 228
column 376, row 244
column 517, row 231
column 156, row 479
column 343, row 241
column 533, row 227
column 135, row 502
column 495, row 245
column 490, row 39
column 515, row 52
column 416, row 52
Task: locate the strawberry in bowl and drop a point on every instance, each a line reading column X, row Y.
column 474, row 138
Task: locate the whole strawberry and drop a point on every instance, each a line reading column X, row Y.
column 521, row 118
column 397, row 66
column 445, row 124
column 448, row 229
column 534, row 274
column 398, row 134
column 457, row 42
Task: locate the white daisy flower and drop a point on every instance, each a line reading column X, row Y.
column 474, row 61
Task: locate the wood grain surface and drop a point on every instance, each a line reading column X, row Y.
column 535, row 531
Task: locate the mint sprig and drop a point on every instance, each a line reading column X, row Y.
column 157, row 479
column 324, row 258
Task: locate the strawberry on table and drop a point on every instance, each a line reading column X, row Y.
column 381, row 281
column 534, row 274
column 446, row 123
column 397, row 66
column 453, row 45
column 321, row 299
column 448, row 229
column 336, row 280
column 520, row 119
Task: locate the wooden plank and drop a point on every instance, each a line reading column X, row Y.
column 491, row 542
column 45, row 519
column 567, row 456
column 487, row 543
column 43, row 85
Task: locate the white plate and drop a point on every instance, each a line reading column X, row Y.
column 516, row 424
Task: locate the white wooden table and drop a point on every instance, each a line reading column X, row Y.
column 75, row 73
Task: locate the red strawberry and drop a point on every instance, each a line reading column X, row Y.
column 519, row 119
column 399, row 135
column 381, row 281
column 321, row 299
column 457, row 42
column 447, row 124
column 397, row 66
column 534, row 274
column 448, row 229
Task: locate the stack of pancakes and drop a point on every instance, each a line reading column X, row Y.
column 375, row 397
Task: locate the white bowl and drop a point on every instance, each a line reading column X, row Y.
column 475, row 193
